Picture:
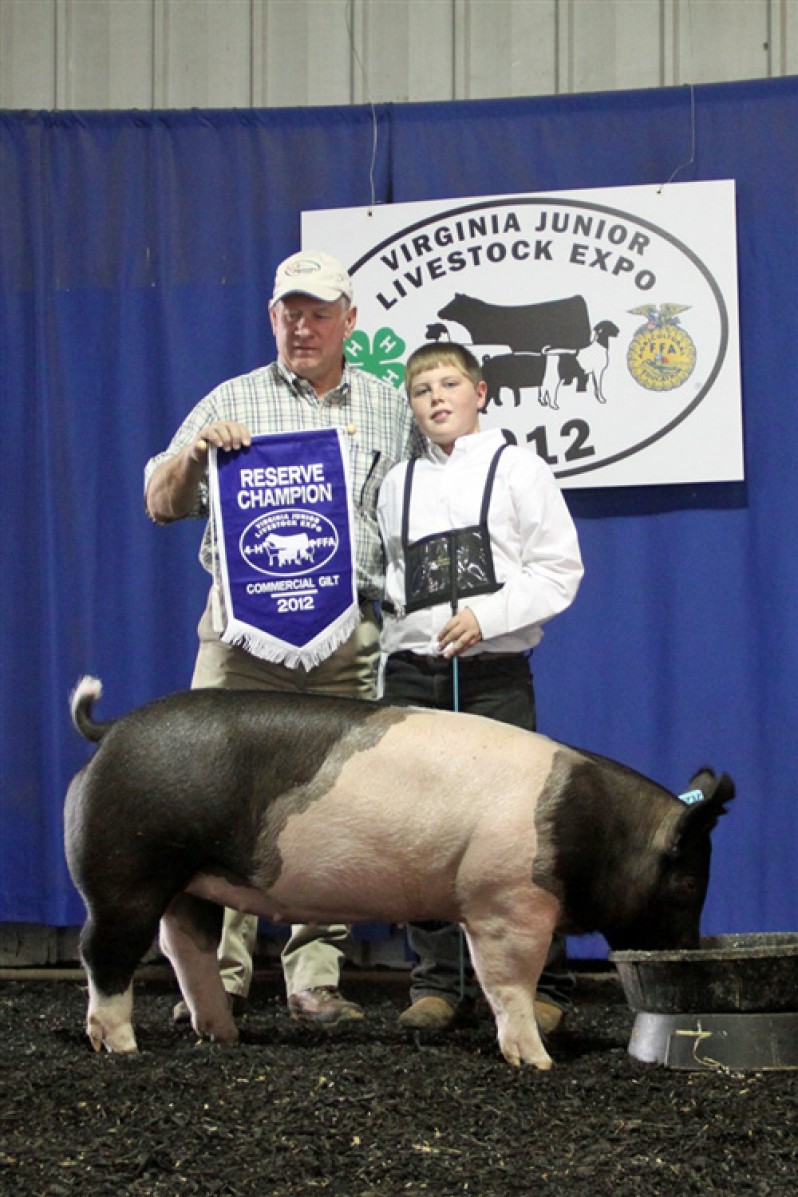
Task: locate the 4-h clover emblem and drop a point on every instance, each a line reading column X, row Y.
column 381, row 357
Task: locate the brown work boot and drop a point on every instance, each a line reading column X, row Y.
column 323, row 1004
column 548, row 1016
column 428, row 1014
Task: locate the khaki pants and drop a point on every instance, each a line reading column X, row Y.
column 312, row 955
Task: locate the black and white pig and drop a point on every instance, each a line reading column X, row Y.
column 307, row 809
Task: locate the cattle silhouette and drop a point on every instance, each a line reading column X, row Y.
column 527, row 328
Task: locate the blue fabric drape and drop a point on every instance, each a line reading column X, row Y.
column 136, row 259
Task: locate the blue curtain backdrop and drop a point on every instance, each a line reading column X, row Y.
column 137, row 253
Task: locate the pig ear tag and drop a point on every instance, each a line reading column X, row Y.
column 691, row 797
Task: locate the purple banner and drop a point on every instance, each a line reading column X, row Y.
column 285, row 545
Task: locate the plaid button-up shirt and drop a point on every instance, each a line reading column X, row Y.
column 376, row 418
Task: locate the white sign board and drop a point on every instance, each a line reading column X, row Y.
column 606, row 320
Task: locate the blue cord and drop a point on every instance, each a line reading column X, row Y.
column 456, row 707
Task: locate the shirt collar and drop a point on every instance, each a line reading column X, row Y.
column 342, row 392
column 473, row 443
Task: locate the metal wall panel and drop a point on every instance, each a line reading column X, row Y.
column 507, row 48
column 27, row 54
column 303, row 53
column 103, row 54
column 720, row 41
column 202, row 51
column 431, row 52
column 381, row 43
column 242, row 53
column 611, row 46
column 783, row 37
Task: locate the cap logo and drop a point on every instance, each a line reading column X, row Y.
column 306, row 266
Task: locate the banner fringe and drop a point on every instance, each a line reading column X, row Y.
column 308, row 657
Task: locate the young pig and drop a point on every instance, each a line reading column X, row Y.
column 307, row 809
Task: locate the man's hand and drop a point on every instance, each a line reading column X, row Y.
column 224, row 434
column 174, row 487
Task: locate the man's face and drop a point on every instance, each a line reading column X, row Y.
column 310, row 337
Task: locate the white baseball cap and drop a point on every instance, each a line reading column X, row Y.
column 311, row 272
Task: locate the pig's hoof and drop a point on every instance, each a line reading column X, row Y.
column 543, row 1063
column 218, row 1030
column 236, row 1002
column 224, row 1039
column 109, row 1033
column 517, row 1055
column 129, row 1049
column 119, row 1040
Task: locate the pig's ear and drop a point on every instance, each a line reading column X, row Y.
column 705, row 780
column 705, row 802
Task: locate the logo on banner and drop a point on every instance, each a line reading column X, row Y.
column 289, row 544
column 548, row 293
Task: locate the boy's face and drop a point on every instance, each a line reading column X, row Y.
column 446, row 404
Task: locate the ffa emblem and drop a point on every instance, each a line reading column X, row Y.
column 662, row 355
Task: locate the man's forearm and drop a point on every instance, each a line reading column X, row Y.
column 174, row 488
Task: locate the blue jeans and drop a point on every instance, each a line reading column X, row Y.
column 497, row 687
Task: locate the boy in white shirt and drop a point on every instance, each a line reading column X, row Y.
column 481, row 551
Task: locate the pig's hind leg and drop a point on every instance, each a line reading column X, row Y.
column 110, row 948
column 190, row 931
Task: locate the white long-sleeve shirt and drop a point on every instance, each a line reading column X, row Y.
column 533, row 538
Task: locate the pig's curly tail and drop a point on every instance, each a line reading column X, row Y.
column 81, row 701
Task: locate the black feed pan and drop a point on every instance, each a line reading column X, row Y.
column 731, row 1003
column 727, row 974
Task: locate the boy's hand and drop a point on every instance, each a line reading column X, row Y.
column 461, row 632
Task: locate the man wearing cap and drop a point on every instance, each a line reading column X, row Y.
column 310, row 386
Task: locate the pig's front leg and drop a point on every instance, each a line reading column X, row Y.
column 508, row 953
column 189, row 937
